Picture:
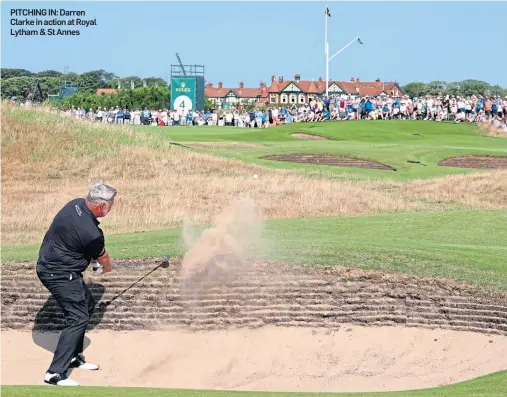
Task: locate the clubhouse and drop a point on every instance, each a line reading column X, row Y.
column 296, row 91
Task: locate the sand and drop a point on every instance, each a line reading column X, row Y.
column 351, row 359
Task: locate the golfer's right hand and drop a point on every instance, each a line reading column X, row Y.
column 105, row 262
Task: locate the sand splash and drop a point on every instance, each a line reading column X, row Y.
column 217, row 255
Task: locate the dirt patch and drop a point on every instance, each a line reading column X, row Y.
column 222, row 145
column 472, row 161
column 329, row 159
column 301, row 135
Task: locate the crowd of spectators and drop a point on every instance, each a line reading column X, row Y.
column 457, row 109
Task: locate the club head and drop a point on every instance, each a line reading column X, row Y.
column 103, row 305
column 165, row 262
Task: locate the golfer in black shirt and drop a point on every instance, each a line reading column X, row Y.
column 73, row 240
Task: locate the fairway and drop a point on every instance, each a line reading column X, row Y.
column 388, row 142
column 323, row 278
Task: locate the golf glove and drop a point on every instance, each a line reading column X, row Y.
column 97, row 268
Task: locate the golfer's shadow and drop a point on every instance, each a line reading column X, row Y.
column 49, row 320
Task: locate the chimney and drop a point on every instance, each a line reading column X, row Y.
column 209, row 85
column 320, row 79
column 377, row 79
column 240, row 85
column 219, row 85
column 357, row 79
column 261, row 84
column 297, row 77
column 352, row 79
column 273, row 78
column 280, row 79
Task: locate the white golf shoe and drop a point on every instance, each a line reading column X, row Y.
column 79, row 362
column 59, row 380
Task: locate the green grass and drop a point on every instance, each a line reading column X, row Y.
column 467, row 246
column 389, row 142
column 494, row 385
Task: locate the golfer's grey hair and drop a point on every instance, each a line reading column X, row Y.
column 101, row 193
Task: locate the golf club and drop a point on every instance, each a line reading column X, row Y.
column 164, row 264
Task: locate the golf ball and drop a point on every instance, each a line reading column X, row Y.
column 255, row 176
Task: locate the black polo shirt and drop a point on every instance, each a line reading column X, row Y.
column 73, row 239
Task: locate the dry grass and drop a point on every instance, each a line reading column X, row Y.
column 488, row 129
column 485, row 190
column 51, row 161
column 48, row 160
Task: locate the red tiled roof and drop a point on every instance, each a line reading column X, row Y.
column 106, row 91
column 277, row 86
column 366, row 88
column 248, row 92
column 311, row 87
column 215, row 92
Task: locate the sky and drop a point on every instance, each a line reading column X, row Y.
column 251, row 41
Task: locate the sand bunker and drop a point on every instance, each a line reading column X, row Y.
column 222, row 145
column 471, row 161
column 312, row 137
column 350, row 359
column 329, row 159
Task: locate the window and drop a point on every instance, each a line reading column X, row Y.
column 292, row 98
column 301, row 98
column 272, row 98
column 283, row 98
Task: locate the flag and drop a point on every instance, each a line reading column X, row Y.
column 131, row 84
column 359, row 41
column 328, row 13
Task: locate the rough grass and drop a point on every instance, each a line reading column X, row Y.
column 48, row 160
column 483, row 190
column 488, row 129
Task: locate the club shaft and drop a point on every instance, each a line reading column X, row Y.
column 126, row 289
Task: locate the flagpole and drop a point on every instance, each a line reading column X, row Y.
column 326, row 51
column 351, row 41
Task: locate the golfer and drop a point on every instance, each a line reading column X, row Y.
column 73, row 240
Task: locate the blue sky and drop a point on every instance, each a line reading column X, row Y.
column 251, row 41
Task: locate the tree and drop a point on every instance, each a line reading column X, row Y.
column 208, row 103
column 155, row 81
column 91, row 81
column 150, row 97
column 7, row 73
column 17, row 86
column 436, row 87
column 415, row 89
column 49, row 85
column 126, row 82
column 49, row 73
